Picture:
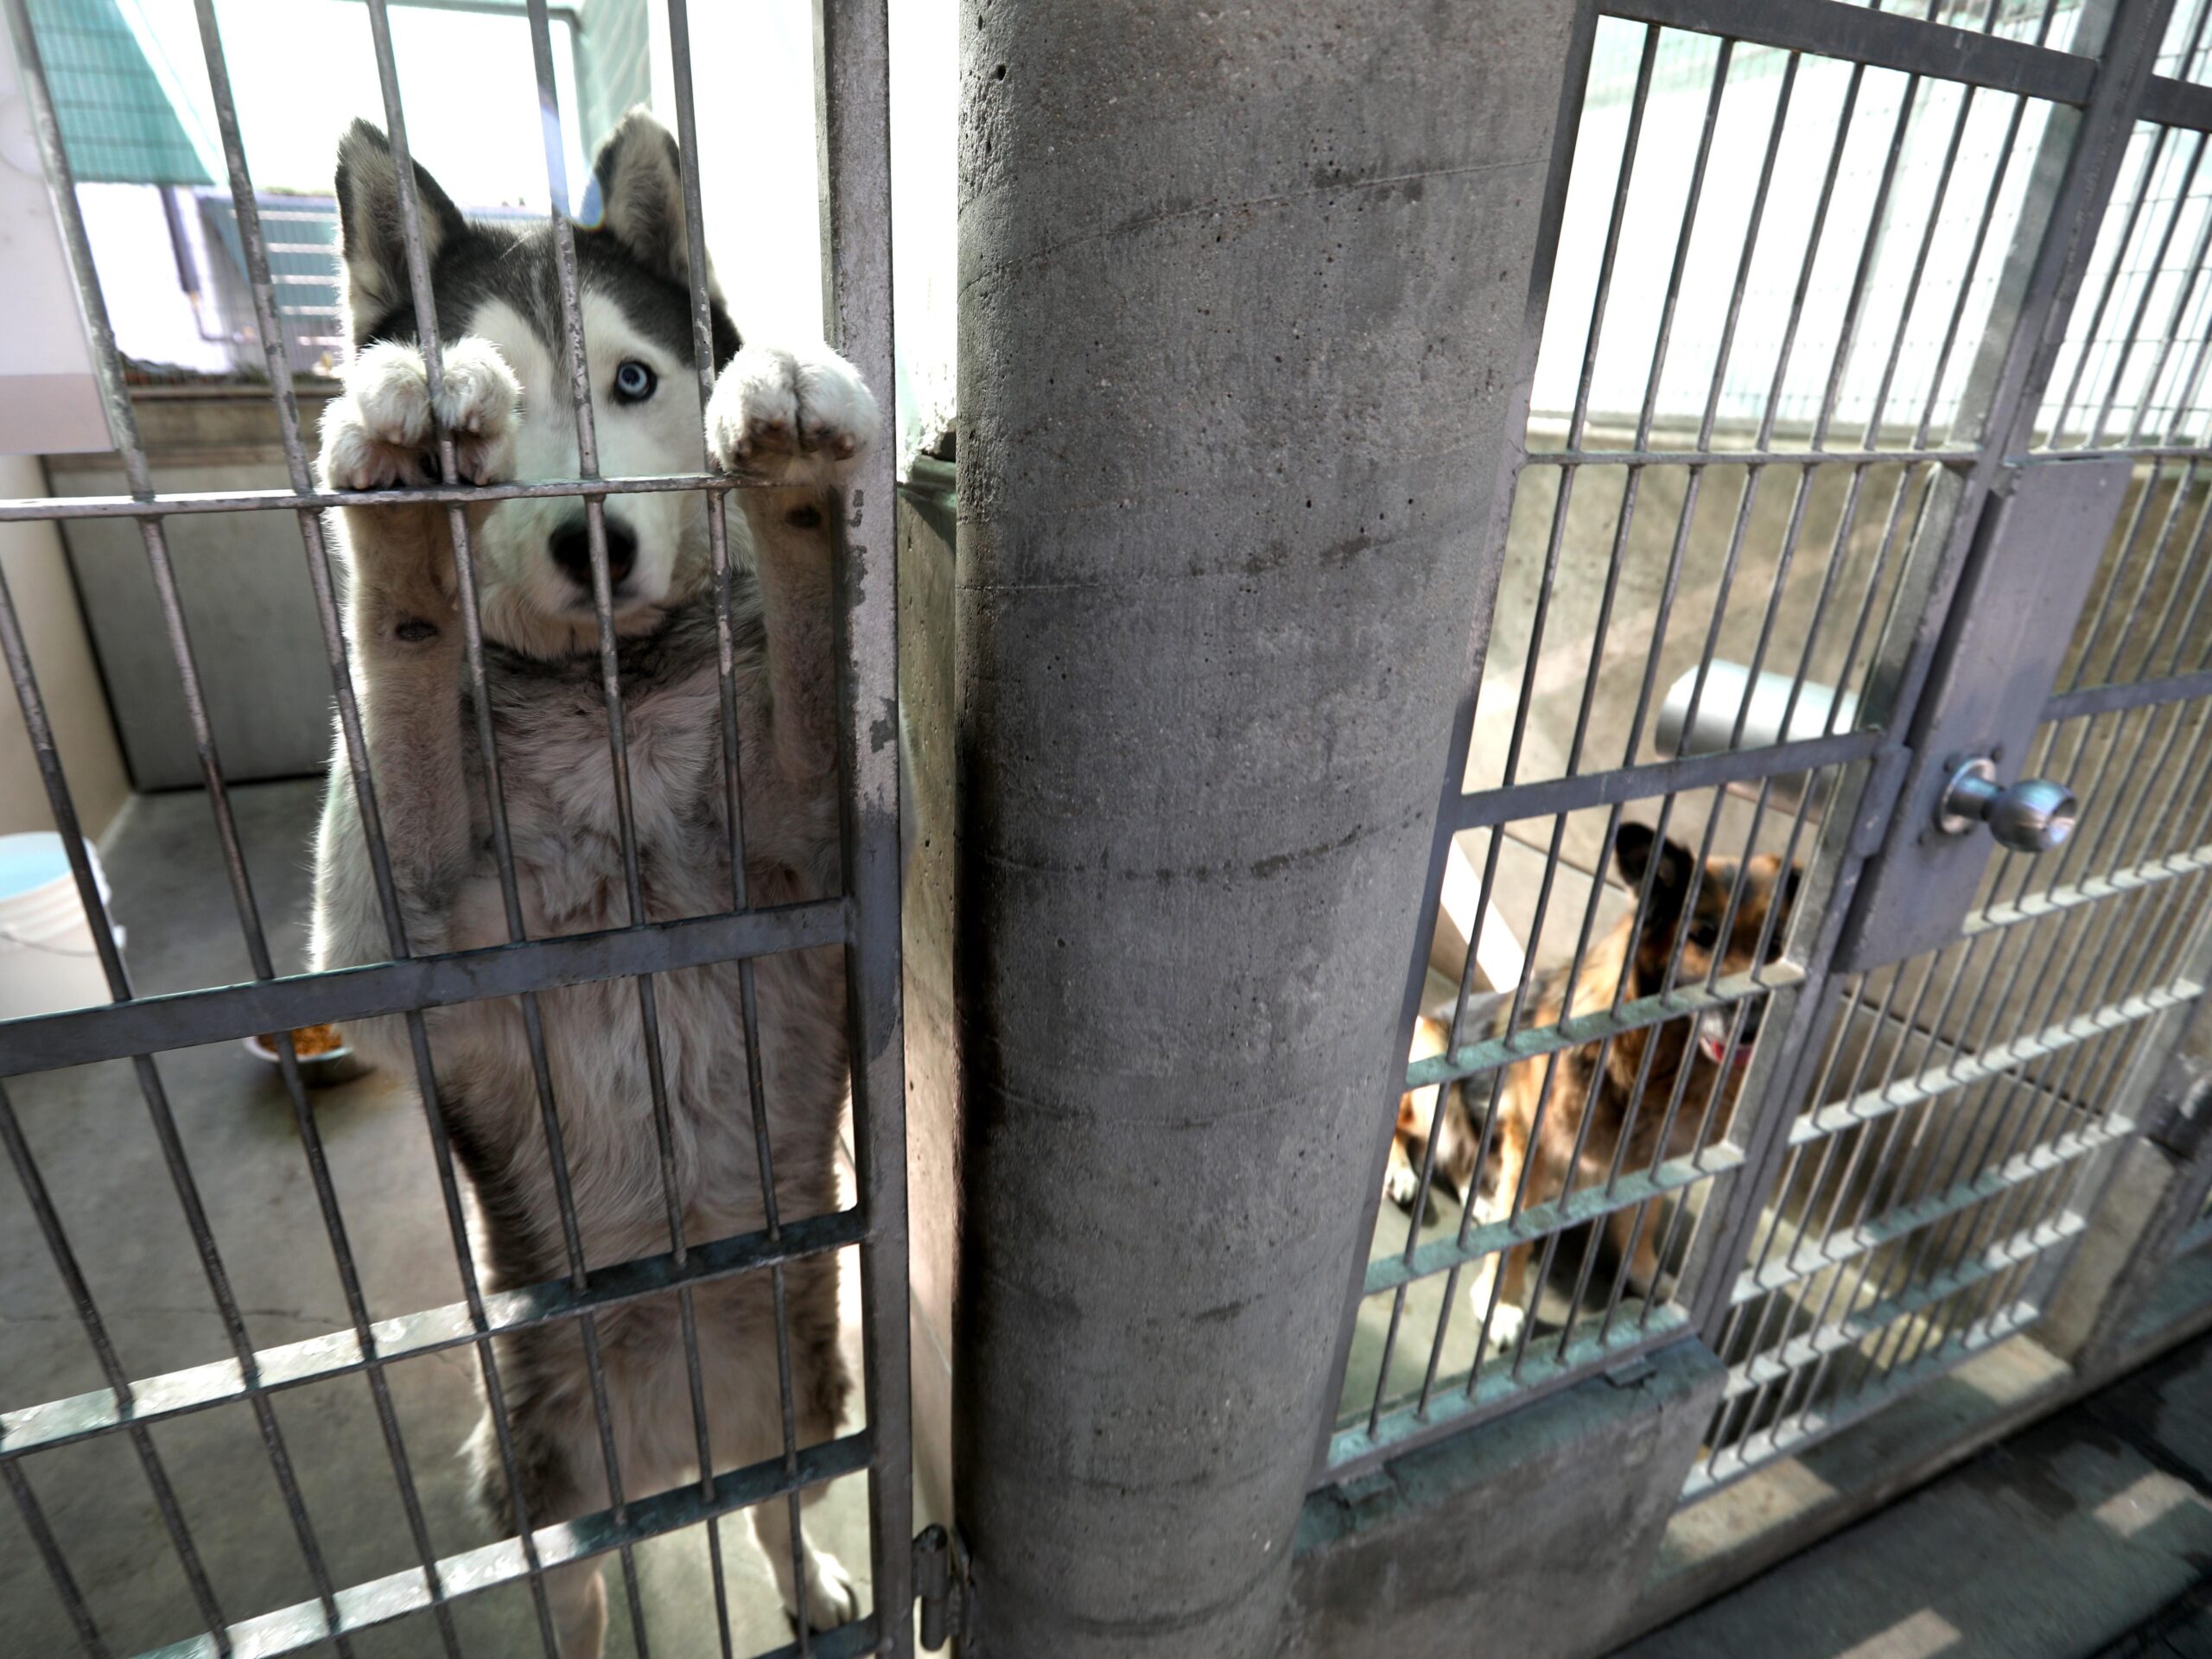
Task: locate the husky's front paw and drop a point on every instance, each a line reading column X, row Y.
column 799, row 417
column 831, row 1600
column 379, row 433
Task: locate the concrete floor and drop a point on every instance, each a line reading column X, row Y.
column 90, row 1132
column 2182, row 1630
column 2087, row 1535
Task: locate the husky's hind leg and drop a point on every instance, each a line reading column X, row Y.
column 557, row 1465
column 748, row 1419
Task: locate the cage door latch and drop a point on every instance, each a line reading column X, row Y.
column 2032, row 815
column 2000, row 645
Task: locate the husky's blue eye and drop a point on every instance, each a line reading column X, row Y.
column 633, row 381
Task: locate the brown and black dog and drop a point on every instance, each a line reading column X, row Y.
column 1534, row 1141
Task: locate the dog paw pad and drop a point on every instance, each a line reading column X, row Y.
column 790, row 416
column 379, row 433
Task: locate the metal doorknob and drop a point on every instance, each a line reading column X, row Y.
column 2033, row 815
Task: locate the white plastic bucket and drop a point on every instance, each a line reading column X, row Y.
column 47, row 958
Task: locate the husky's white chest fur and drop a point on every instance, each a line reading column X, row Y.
column 564, row 822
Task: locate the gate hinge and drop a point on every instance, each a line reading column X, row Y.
column 944, row 1590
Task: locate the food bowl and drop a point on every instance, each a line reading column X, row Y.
column 325, row 1055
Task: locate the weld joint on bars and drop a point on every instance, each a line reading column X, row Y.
column 470, row 1571
column 162, row 504
column 1883, row 40
column 2049, row 903
column 1536, row 1222
column 1486, row 808
column 319, row 1358
column 186, row 1019
column 1872, row 1104
column 1730, row 1464
column 1855, row 1242
column 1350, row 1447
column 1494, row 1052
column 1749, row 1375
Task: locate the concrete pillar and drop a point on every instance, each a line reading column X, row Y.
column 1243, row 305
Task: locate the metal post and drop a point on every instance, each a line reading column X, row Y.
column 863, row 920
column 852, row 70
column 1227, row 469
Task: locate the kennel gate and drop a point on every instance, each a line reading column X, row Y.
column 851, row 55
column 1930, row 356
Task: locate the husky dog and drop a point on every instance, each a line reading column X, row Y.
column 799, row 420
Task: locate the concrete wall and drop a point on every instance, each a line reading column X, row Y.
column 47, row 403
column 48, row 400
column 1531, row 1536
column 2148, row 1195
column 69, row 679
column 926, row 809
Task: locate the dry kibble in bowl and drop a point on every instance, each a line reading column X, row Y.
column 323, row 1055
column 308, row 1041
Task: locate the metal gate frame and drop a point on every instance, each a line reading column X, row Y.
column 2046, row 1193
column 852, row 64
column 2094, row 103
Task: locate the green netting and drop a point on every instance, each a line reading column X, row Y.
column 118, row 123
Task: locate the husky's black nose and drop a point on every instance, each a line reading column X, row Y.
column 571, row 550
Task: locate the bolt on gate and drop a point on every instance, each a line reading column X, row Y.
column 861, row 921
column 1863, row 505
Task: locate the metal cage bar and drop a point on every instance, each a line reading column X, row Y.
column 2008, row 383
column 863, row 920
column 1991, row 1181
column 1544, row 1222
column 2000, row 1130
column 852, row 58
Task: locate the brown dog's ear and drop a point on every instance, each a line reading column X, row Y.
column 1634, row 845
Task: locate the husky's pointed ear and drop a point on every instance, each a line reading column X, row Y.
column 369, row 234
column 638, row 182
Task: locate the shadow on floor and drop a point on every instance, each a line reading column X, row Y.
column 2087, row 1535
